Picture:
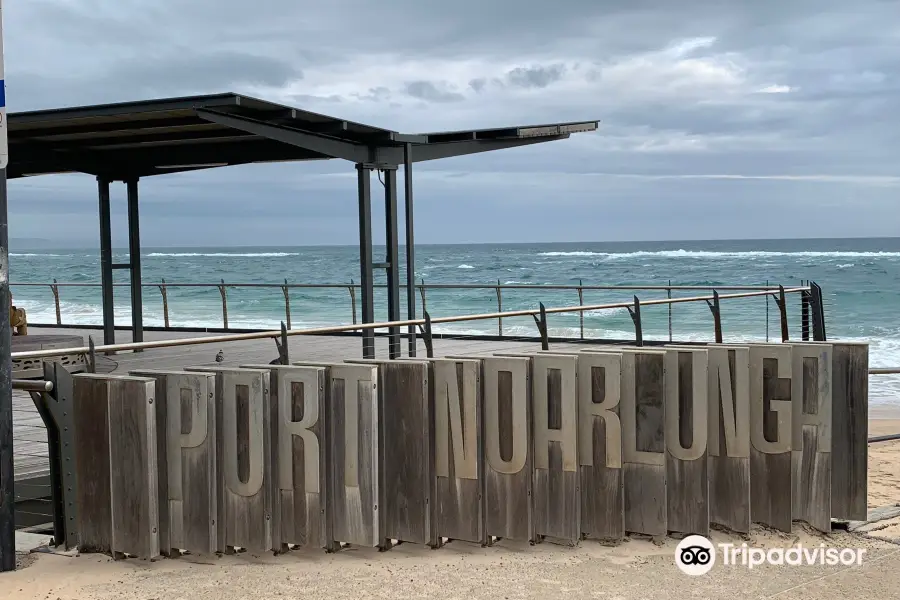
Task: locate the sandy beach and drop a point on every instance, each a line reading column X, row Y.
column 636, row 568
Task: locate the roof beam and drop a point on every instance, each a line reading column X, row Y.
column 309, row 141
column 138, row 139
column 116, row 127
column 224, row 101
column 451, row 149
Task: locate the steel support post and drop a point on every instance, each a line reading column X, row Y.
column 134, row 259
column 106, row 266
column 392, row 259
column 366, row 276
column 410, row 247
column 7, row 479
column 817, row 307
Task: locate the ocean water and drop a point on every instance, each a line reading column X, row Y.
column 860, row 280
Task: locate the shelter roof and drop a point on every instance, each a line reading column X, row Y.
column 138, row 139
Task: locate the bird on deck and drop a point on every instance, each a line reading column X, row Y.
column 220, row 357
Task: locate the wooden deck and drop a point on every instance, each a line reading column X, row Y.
column 29, row 435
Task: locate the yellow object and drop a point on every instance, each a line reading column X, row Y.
column 18, row 322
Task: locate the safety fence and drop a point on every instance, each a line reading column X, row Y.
column 443, row 298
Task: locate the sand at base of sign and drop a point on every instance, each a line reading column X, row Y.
column 884, row 466
column 633, row 569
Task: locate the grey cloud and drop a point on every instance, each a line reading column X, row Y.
column 536, row 76
column 427, row 90
column 224, row 70
column 840, row 61
column 478, row 84
column 152, row 75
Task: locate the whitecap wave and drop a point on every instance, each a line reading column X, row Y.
column 710, row 254
column 223, row 254
column 36, row 254
column 465, row 267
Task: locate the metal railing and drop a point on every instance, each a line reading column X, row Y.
column 422, row 288
column 425, row 324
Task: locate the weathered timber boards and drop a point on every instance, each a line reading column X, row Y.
column 405, row 450
column 459, row 451
column 354, row 435
column 850, row 430
column 303, row 509
column 643, row 439
column 556, row 491
column 686, row 422
column 133, row 467
column 186, row 447
column 300, row 394
column 771, row 414
column 600, row 441
column 162, row 485
column 508, row 464
column 244, row 416
column 91, row 422
column 811, row 434
column 476, row 443
column 729, row 437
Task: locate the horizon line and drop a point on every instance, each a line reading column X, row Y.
column 78, row 246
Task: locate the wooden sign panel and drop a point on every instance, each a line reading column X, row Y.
column 300, row 397
column 458, row 451
column 771, row 416
column 811, row 434
column 729, row 437
column 686, row 424
column 557, row 497
column 406, row 451
column 508, row 464
column 849, row 430
column 90, row 419
column 353, row 433
column 600, row 446
column 186, row 455
column 133, row 468
column 643, row 441
column 244, row 455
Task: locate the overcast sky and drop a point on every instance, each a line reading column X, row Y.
column 738, row 119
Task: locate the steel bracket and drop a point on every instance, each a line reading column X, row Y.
column 636, row 319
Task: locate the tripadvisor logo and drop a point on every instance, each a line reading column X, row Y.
column 696, row 555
